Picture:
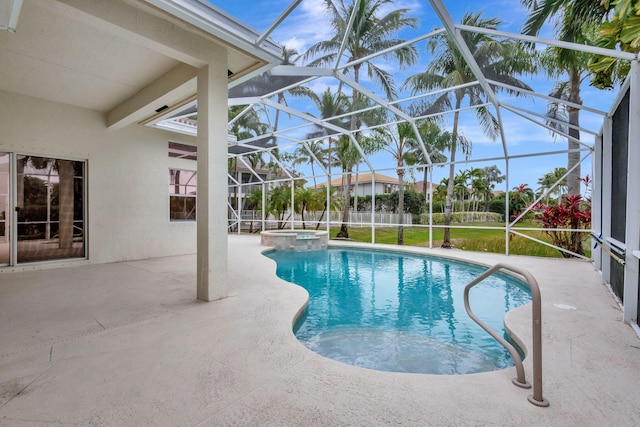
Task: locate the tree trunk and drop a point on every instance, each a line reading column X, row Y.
column 424, row 185
column 573, row 158
column 346, row 200
column 400, row 204
column 446, row 242
column 304, row 225
column 321, row 216
column 65, row 208
column 346, row 189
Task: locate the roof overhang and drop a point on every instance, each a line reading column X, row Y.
column 135, row 57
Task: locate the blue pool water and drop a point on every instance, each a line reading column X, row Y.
column 399, row 312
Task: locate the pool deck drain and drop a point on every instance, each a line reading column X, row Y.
column 163, row 358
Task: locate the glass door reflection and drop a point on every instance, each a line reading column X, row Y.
column 4, row 208
column 50, row 208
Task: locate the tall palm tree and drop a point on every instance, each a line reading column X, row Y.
column 574, row 21
column 307, row 199
column 497, row 59
column 370, row 33
column 461, row 187
column 303, row 155
column 478, row 186
column 290, row 57
column 398, row 140
column 330, row 105
column 436, row 140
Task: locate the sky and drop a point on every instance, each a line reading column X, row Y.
column 308, row 25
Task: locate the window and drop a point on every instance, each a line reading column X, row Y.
column 183, row 151
column 182, row 195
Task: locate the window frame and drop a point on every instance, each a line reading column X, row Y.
column 172, row 195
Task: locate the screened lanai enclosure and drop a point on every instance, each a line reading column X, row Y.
column 329, row 137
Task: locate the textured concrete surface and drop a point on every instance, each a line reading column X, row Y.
column 128, row 344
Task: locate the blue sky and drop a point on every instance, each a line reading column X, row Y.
column 308, row 25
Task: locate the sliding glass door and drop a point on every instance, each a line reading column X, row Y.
column 49, row 206
column 5, row 208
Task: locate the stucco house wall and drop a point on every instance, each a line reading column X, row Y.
column 126, row 176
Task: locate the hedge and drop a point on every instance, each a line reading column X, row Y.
column 461, row 217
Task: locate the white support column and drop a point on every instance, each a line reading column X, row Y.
column 596, row 199
column 507, row 214
column 373, row 207
column 632, row 235
column 607, row 164
column 263, row 206
column 293, row 204
column 212, row 179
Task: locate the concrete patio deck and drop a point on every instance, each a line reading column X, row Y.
column 128, row 344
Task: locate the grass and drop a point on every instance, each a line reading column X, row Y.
column 476, row 239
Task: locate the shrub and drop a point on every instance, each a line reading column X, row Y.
column 413, row 202
column 498, row 205
column 573, row 213
column 461, row 217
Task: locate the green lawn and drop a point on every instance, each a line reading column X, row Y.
column 477, row 239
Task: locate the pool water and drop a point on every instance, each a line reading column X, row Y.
column 399, row 312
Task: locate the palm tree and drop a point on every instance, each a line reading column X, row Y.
column 369, row 33
column 307, row 199
column 316, row 150
column 247, row 125
column 620, row 30
column 436, row 140
column 520, row 197
column 440, row 192
column 278, row 202
column 290, row 57
column 242, row 126
column 255, row 159
column 254, row 199
column 460, row 184
column 575, row 21
column 550, row 179
column 330, row 105
column 334, row 201
column 497, row 59
column 399, row 140
column 478, row 186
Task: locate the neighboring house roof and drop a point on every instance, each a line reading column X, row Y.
column 365, row 178
column 419, row 186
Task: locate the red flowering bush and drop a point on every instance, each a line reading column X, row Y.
column 573, row 213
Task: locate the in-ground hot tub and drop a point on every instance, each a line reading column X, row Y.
column 295, row 240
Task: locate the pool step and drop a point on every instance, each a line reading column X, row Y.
column 399, row 352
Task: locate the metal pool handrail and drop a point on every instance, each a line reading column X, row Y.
column 520, row 381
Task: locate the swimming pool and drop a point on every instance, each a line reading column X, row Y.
column 399, row 312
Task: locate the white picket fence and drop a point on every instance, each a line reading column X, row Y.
column 356, row 219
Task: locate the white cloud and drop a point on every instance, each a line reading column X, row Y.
column 307, row 25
